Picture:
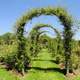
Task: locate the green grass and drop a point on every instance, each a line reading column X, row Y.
column 77, row 77
column 43, row 63
column 42, row 69
column 5, row 75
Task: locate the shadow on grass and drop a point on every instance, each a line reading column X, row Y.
column 63, row 71
column 44, row 60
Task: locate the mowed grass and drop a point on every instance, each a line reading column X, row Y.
column 42, row 68
column 6, row 75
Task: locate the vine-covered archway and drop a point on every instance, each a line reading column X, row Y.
column 35, row 33
column 64, row 18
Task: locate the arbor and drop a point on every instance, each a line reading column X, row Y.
column 35, row 47
column 62, row 16
column 34, row 34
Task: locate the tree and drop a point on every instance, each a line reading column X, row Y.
column 8, row 38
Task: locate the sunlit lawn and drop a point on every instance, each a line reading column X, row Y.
column 42, row 69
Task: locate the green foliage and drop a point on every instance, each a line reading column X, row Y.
column 12, row 62
column 7, row 38
column 64, row 18
column 35, row 33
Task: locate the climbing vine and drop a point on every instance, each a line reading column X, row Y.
column 35, row 33
column 64, row 18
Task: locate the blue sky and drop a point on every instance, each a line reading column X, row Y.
column 10, row 10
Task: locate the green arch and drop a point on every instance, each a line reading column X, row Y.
column 37, row 27
column 34, row 34
column 62, row 15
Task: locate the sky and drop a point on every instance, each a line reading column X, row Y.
column 11, row 10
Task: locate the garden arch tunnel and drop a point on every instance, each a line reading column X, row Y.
column 37, row 27
column 64, row 18
column 35, row 33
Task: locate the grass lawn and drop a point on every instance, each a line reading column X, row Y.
column 6, row 75
column 42, row 68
